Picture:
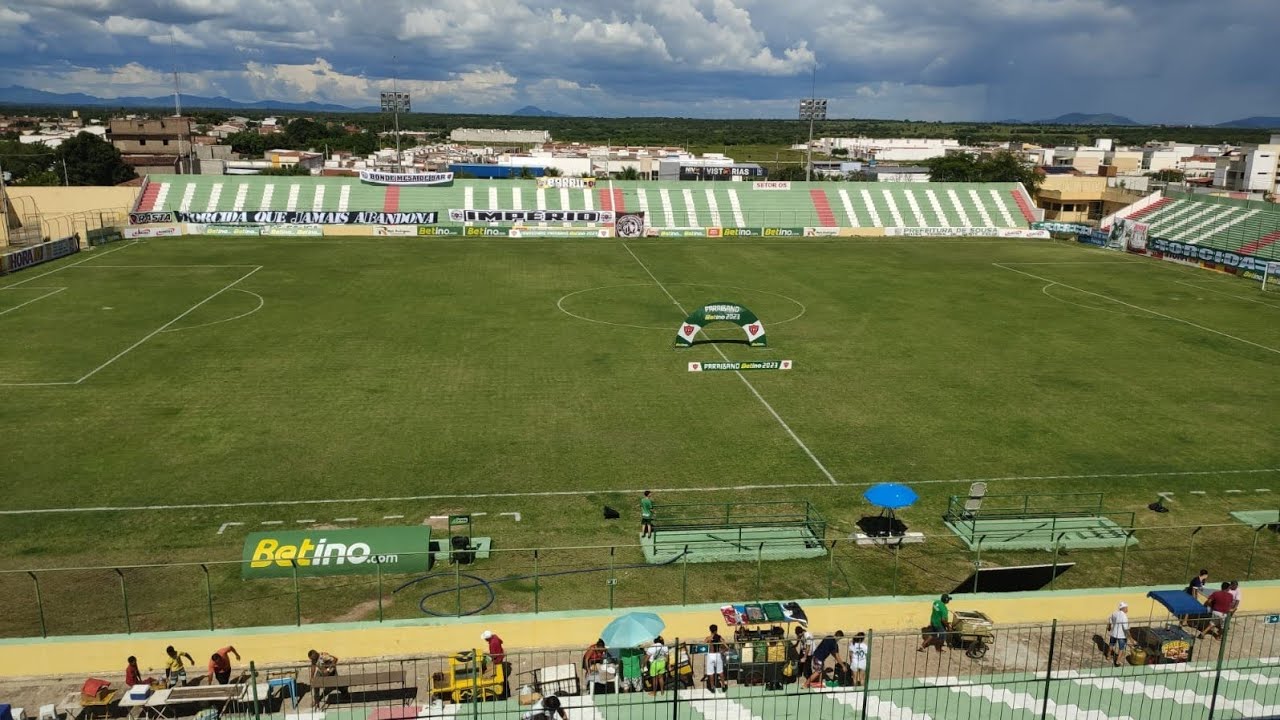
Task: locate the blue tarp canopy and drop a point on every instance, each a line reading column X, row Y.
column 892, row 496
column 1178, row 602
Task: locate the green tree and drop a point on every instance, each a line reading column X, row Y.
column 90, row 160
column 287, row 170
column 248, row 143
column 629, row 173
column 1168, row 175
column 551, row 172
column 786, row 172
column 957, row 167
column 22, row 161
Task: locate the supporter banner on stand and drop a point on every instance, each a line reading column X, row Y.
column 291, row 217
column 1212, row 258
column 132, row 233
column 1061, row 227
column 36, row 254
column 1128, row 234
column 552, row 232
column 150, row 218
column 629, row 225
column 294, row 230
column 570, row 183
column 386, row 178
column 530, row 216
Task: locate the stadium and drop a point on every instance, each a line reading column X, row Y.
column 444, row 385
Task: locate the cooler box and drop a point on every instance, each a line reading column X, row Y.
column 559, row 680
column 139, row 692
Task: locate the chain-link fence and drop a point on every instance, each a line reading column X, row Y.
column 212, row 595
column 1054, row 670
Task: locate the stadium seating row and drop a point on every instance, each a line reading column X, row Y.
column 1247, row 228
column 666, row 204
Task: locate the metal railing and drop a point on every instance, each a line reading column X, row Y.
column 214, row 595
column 1051, row 670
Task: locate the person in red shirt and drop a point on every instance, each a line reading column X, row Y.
column 133, row 676
column 220, row 665
column 1219, row 603
column 497, row 657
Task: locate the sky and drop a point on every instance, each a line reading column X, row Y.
column 1156, row 61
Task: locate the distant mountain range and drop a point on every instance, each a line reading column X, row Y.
column 535, row 111
column 1090, row 119
column 1257, row 122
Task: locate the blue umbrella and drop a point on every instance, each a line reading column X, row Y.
column 632, row 629
column 891, row 496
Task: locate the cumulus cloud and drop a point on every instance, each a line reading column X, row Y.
column 931, row 59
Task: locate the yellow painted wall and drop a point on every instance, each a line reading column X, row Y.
column 105, row 654
column 55, row 201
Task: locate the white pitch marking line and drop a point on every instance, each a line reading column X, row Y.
column 162, row 328
column 54, row 291
column 741, row 377
column 1230, row 295
column 1262, row 489
column 631, row 491
column 271, row 522
column 1233, row 492
column 226, row 525
column 1139, row 307
column 392, row 517
column 261, row 302
column 479, row 513
column 351, row 519
column 97, row 265
column 515, row 515
column 304, row 522
column 64, row 267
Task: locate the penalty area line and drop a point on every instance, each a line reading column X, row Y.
column 741, row 377
column 625, row 491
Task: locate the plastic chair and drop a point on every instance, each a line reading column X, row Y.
column 285, row 682
column 48, row 712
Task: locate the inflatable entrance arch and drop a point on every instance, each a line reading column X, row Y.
column 721, row 312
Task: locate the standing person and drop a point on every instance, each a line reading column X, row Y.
column 646, row 515
column 1195, row 588
column 939, row 621
column 1235, row 594
column 175, row 673
column 322, row 665
column 658, row 653
column 715, row 672
column 858, row 653
column 133, row 676
column 828, row 648
column 804, row 645
column 1118, row 633
column 496, row 657
column 1219, row 604
column 220, row 665
column 594, row 655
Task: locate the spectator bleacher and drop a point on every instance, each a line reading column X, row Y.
column 666, row 204
column 1240, row 226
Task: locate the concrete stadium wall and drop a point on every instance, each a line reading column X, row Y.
column 75, row 656
column 57, row 201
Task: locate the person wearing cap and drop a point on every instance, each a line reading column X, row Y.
column 1118, row 632
column 939, row 621
column 496, row 656
column 548, row 708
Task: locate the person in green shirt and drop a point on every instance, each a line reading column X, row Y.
column 646, row 515
column 939, row 621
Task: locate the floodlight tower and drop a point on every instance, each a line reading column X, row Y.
column 811, row 109
column 395, row 102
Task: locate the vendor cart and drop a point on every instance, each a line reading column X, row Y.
column 762, row 641
column 972, row 631
column 467, row 680
column 1169, row 642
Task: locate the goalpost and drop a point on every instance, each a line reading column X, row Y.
column 1271, row 276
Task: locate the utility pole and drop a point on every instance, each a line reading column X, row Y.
column 65, row 181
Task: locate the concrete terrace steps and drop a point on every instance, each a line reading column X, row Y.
column 666, row 204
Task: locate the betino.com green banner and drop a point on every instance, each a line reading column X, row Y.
column 336, row 552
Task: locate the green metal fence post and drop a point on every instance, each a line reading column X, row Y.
column 1217, row 674
column 977, row 563
column 831, row 567
column 1048, row 669
column 1057, row 545
column 613, row 579
column 759, row 572
column 253, row 683
column 1248, row 573
column 866, row 679
column 897, row 548
column 457, row 585
column 44, row 631
column 124, row 596
column 297, row 595
column 378, row 567
column 1191, row 550
column 684, row 580
column 537, row 582
column 208, row 594
column 1124, row 557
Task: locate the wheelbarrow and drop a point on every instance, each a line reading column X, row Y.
column 972, row 631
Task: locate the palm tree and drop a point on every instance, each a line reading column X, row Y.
column 551, row 172
column 629, row 173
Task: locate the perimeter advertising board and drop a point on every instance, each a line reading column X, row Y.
column 336, row 552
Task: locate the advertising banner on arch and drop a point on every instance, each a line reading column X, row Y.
column 320, row 553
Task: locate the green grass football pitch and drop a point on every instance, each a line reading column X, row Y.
column 168, row 397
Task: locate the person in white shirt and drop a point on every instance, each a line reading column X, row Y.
column 548, row 708
column 1118, row 633
column 858, row 652
column 1235, row 594
column 658, row 653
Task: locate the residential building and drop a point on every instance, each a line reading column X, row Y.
column 1253, row 169
column 154, row 146
column 888, row 149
